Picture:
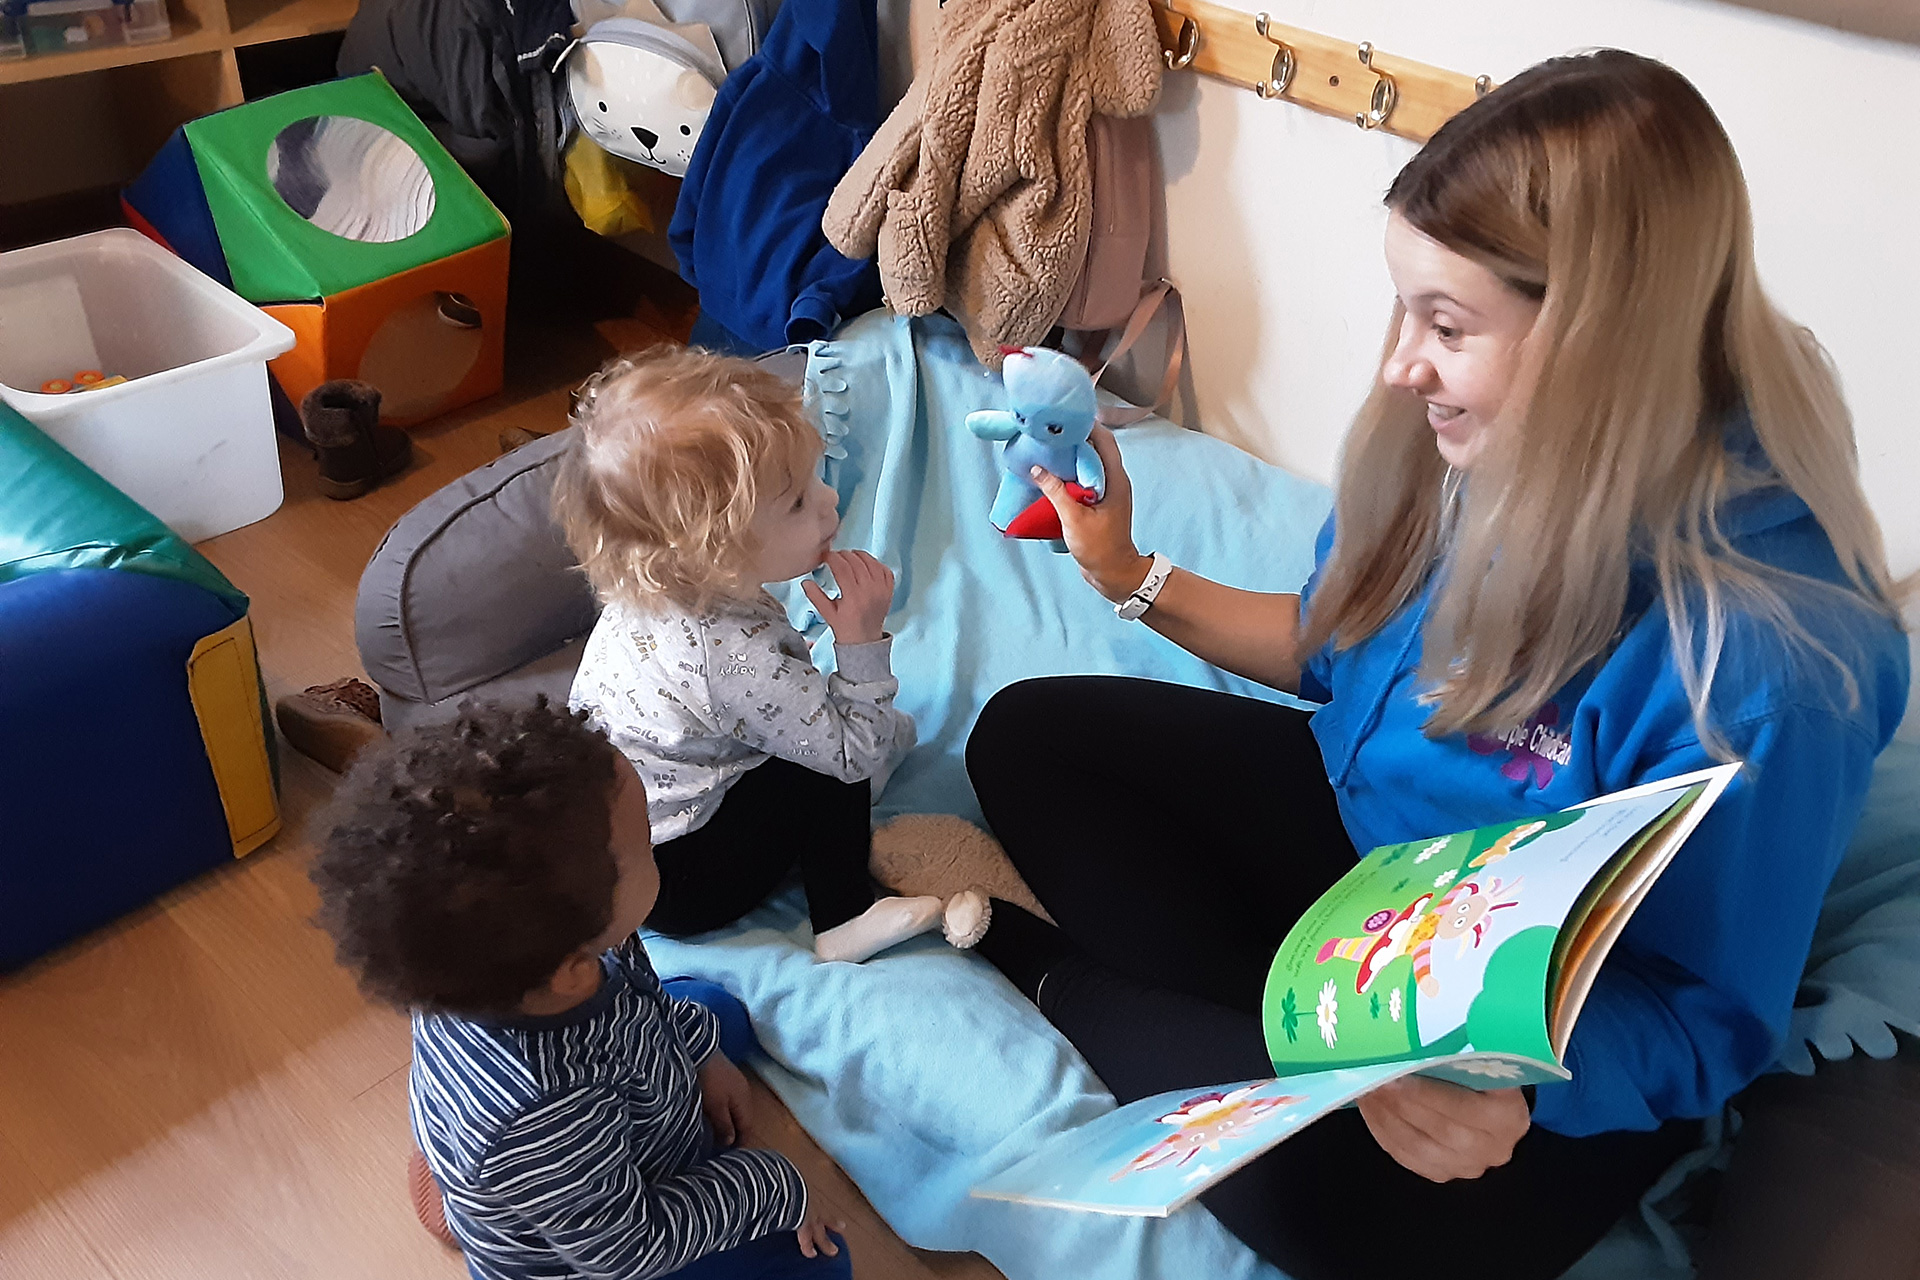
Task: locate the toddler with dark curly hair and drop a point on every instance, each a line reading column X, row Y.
column 488, row 876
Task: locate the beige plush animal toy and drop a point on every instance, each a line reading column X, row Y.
column 941, row 855
column 975, row 194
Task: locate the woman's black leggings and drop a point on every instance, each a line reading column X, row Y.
column 776, row 815
column 1175, row 835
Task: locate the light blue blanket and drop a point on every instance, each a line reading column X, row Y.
column 923, row 1072
column 975, row 611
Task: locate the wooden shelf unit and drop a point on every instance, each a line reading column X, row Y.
column 91, row 119
column 199, row 26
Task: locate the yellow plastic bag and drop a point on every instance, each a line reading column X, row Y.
column 601, row 188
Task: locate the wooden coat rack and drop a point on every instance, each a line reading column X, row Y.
column 1355, row 82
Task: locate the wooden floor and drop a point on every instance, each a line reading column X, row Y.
column 197, row 1091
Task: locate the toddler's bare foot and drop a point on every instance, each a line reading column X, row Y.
column 886, row 923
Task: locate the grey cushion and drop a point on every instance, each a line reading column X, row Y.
column 474, row 594
column 470, row 587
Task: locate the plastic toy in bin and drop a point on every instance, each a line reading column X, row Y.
column 84, row 380
column 334, row 210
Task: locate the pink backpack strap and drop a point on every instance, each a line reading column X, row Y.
column 1161, row 296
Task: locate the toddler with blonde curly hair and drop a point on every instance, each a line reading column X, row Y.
column 692, row 483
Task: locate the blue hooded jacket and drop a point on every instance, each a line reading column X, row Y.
column 786, row 126
column 1693, row 1002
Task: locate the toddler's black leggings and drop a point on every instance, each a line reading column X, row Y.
column 777, row 815
column 1175, row 835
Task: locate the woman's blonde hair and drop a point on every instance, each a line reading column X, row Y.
column 1603, row 186
column 674, row 448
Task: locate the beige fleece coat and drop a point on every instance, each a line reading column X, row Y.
column 975, row 194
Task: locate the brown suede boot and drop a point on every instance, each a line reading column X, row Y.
column 331, row 723
column 342, row 419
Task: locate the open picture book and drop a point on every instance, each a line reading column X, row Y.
column 1466, row 956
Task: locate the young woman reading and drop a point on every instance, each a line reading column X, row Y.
column 1598, row 523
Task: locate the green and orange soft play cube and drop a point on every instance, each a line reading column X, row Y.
column 335, row 210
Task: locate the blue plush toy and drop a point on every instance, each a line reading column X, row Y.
column 1050, row 414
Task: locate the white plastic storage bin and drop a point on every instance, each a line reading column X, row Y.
column 190, row 434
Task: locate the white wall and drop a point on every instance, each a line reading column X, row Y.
column 1274, row 215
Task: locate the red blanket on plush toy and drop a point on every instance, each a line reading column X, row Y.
column 1041, row 520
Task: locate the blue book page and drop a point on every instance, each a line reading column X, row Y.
column 1149, row 1158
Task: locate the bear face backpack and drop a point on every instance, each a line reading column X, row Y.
column 642, row 82
column 642, row 92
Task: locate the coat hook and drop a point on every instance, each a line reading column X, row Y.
column 1280, row 78
column 1386, row 94
column 1283, row 68
column 1186, row 44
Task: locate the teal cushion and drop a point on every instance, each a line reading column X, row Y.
column 59, row 514
column 1862, row 979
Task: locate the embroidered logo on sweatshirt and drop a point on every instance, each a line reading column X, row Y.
column 1533, row 750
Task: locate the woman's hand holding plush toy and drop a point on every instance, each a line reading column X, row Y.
column 1249, row 633
column 1100, row 537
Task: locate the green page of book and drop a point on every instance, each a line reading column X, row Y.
column 1444, row 946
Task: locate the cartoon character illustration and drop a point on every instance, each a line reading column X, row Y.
column 1050, row 416
column 1507, row 843
column 1389, row 935
column 1464, row 914
column 642, row 92
column 1201, row 1124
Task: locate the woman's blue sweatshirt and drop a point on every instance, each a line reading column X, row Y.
column 1693, row 1002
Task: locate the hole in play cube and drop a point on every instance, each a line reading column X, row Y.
column 352, row 178
column 421, row 354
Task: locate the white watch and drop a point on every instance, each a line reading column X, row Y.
column 1143, row 595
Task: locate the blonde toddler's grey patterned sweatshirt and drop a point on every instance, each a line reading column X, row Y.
column 694, row 701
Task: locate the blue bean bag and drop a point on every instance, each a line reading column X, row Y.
column 134, row 753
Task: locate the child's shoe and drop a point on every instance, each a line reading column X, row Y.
column 331, row 723
column 517, row 437
column 342, row 422
column 428, row 1204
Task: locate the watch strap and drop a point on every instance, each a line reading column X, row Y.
column 1144, row 595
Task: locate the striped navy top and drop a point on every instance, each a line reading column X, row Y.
column 574, row 1145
